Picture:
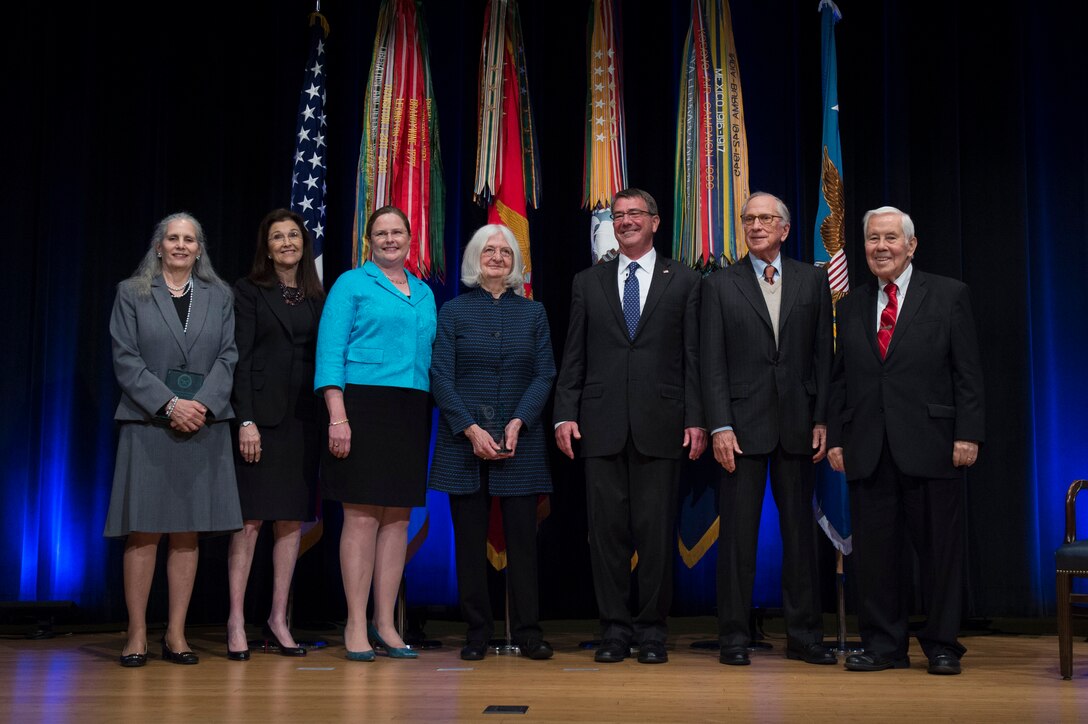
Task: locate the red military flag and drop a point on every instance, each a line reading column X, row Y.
column 507, row 166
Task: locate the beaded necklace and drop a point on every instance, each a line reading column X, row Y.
column 291, row 295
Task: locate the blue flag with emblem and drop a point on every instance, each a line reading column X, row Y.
column 829, row 242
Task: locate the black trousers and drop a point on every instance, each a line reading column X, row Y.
column 631, row 501
column 887, row 509
column 470, row 515
column 740, row 505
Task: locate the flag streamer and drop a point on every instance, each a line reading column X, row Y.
column 507, row 165
column 829, row 251
column 711, row 143
column 606, row 136
column 400, row 160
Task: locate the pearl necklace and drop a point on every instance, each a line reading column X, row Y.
column 180, row 290
column 189, row 313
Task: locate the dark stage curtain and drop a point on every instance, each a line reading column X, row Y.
column 971, row 119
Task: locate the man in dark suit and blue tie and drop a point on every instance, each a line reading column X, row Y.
column 906, row 419
column 628, row 392
column 766, row 365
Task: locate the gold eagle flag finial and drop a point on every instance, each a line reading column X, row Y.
column 832, row 227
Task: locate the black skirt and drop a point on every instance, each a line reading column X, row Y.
column 390, row 447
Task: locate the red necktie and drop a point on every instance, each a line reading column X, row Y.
column 768, row 274
column 887, row 320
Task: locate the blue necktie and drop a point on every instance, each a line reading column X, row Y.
column 630, row 299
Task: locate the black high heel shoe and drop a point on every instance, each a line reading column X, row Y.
column 177, row 657
column 131, row 661
column 242, row 655
column 270, row 639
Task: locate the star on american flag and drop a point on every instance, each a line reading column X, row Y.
column 308, row 177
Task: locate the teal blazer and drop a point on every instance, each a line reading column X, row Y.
column 371, row 334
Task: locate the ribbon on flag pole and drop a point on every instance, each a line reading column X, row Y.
column 711, row 143
column 606, row 136
column 711, row 187
column 400, row 161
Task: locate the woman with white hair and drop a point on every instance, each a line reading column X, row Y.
column 491, row 372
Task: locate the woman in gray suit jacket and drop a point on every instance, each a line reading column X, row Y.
column 173, row 354
column 491, row 372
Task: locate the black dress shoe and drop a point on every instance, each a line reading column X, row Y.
column 813, row 653
column 473, row 651
column 874, row 662
column 271, row 640
column 946, row 664
column 131, row 661
column 537, row 649
column 177, row 657
column 242, row 655
column 734, row 656
column 652, row 652
column 612, row 651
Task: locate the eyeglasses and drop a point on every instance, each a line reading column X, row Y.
column 765, row 219
column 383, row 235
column 279, row 238
column 491, row 251
column 633, row 215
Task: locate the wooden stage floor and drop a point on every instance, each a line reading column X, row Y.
column 76, row 678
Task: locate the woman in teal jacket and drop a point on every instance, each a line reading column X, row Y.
column 373, row 360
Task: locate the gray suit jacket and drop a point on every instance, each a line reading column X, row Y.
column 770, row 395
column 148, row 341
column 610, row 384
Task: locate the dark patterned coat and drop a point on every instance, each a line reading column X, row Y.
column 492, row 362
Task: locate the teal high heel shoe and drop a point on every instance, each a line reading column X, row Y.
column 392, row 651
column 361, row 655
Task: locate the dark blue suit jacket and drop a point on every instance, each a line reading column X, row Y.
column 492, row 362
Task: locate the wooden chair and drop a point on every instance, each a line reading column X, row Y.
column 1072, row 561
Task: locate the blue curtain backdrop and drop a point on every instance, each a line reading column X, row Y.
column 971, row 121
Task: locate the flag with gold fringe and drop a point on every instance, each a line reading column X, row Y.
column 400, row 162
column 829, row 251
column 711, row 187
column 711, row 143
column 606, row 137
column 507, row 167
column 308, row 178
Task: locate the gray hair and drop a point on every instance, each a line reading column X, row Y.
column 780, row 205
column 470, row 258
column 905, row 220
column 633, row 193
column 151, row 265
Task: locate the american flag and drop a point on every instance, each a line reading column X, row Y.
column 308, row 176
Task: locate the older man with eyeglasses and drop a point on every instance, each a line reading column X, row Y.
column 766, row 350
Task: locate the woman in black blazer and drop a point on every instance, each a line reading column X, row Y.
column 277, row 309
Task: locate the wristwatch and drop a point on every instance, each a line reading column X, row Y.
column 246, row 423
